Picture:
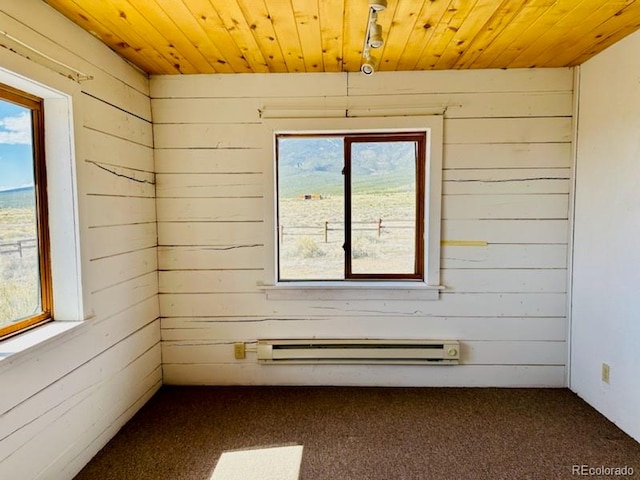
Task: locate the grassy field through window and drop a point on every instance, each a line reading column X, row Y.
column 380, row 238
column 19, row 270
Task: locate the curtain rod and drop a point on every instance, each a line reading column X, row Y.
column 13, row 44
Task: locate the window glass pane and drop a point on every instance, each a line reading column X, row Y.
column 383, row 208
column 19, row 264
column 311, row 208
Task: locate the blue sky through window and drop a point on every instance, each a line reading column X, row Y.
column 16, row 159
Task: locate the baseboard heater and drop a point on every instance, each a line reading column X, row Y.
column 359, row 351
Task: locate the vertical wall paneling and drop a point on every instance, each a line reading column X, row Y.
column 605, row 327
column 61, row 402
column 506, row 179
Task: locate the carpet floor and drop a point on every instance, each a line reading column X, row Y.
column 371, row 434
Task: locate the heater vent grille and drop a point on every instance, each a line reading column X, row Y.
column 365, row 351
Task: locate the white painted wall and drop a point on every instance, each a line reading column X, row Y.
column 61, row 402
column 606, row 271
column 507, row 174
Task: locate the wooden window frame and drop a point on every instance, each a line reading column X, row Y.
column 420, row 137
column 36, row 106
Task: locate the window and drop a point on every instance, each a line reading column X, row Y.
column 25, row 274
column 351, row 206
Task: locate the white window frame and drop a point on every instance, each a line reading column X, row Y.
column 429, row 287
column 68, row 257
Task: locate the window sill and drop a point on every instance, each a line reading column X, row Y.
column 37, row 340
column 352, row 291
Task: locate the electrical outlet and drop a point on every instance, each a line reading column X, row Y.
column 606, row 370
column 239, row 350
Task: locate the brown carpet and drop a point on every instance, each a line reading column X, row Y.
column 369, row 433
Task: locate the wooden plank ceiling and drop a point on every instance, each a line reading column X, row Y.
column 244, row 36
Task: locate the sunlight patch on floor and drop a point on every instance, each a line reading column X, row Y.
column 275, row 463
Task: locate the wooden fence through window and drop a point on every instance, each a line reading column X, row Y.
column 323, row 229
column 19, row 246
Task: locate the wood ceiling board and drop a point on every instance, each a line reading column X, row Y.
column 533, row 35
column 464, row 26
column 235, row 22
column 472, row 26
column 331, row 26
column 404, row 21
column 423, row 31
column 164, row 23
column 211, row 23
column 385, row 18
column 192, row 29
column 286, row 36
column 446, row 29
column 189, row 27
column 138, row 33
column 618, row 26
column 622, row 33
column 509, row 16
column 151, row 35
column 140, row 56
column 565, row 22
column 355, row 27
column 561, row 50
column 257, row 17
column 284, row 24
column 307, row 16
